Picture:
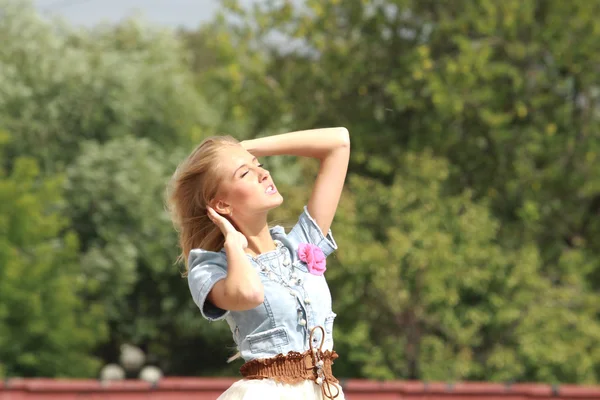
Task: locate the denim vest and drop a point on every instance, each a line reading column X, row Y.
column 282, row 323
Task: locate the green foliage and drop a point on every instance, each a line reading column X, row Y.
column 62, row 86
column 44, row 328
column 442, row 300
column 116, row 194
column 469, row 269
column 468, row 233
column 114, row 109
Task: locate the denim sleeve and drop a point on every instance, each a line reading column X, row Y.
column 205, row 269
column 307, row 231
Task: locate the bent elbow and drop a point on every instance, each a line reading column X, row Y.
column 254, row 298
column 344, row 137
column 259, row 298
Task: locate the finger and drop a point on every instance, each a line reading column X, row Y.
column 218, row 219
column 210, row 212
column 214, row 216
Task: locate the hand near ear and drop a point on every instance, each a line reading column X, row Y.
column 232, row 235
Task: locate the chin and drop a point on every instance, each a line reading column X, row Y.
column 278, row 201
column 265, row 205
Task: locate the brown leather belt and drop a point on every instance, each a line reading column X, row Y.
column 295, row 367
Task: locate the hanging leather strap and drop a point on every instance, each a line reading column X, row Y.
column 318, row 365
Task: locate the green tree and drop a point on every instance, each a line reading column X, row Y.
column 45, row 330
column 62, row 86
column 496, row 88
column 440, row 299
column 116, row 193
column 469, row 243
column 506, row 93
column 109, row 106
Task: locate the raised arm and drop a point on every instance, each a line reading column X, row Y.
column 331, row 146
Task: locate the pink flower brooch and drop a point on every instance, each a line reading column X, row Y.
column 313, row 257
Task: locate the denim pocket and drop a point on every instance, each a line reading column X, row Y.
column 268, row 340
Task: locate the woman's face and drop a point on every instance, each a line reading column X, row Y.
column 246, row 187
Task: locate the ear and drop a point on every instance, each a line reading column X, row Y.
column 221, row 207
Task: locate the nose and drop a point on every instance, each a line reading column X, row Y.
column 263, row 175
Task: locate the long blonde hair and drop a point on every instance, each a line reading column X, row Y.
column 194, row 184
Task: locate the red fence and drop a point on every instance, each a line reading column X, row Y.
column 210, row 388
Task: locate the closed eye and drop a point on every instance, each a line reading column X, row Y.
column 246, row 173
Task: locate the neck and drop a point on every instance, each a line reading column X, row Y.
column 261, row 242
column 258, row 235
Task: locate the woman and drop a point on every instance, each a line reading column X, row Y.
column 267, row 284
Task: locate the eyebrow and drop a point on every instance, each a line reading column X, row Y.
column 243, row 165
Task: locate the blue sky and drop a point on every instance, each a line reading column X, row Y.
column 172, row 13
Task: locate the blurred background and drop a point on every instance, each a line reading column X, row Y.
column 469, row 230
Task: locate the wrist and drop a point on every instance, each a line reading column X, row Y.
column 232, row 244
column 250, row 146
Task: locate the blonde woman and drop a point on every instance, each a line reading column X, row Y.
column 267, row 284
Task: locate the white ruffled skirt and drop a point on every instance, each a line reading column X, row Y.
column 267, row 389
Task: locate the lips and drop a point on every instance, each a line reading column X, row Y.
column 271, row 189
